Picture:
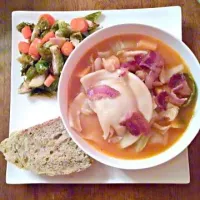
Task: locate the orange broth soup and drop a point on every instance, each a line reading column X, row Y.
column 90, row 124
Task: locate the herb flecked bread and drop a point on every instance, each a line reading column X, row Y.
column 45, row 149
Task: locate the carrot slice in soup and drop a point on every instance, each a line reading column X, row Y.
column 67, row 48
column 33, row 50
column 24, row 47
column 26, row 32
column 79, row 24
column 49, row 18
column 48, row 36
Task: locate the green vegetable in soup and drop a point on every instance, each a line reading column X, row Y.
column 23, row 24
column 42, row 66
column 63, row 29
column 193, row 87
column 45, row 54
column 94, row 16
column 31, row 73
column 57, row 59
column 141, row 143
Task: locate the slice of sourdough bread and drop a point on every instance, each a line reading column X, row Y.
column 45, row 149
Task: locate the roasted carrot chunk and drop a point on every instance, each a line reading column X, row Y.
column 67, row 48
column 79, row 24
column 24, row 47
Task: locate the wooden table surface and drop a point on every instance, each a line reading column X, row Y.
column 191, row 36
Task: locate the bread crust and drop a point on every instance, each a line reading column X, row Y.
column 45, row 149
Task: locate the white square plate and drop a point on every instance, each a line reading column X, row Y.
column 26, row 111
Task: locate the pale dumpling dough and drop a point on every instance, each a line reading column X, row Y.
column 134, row 96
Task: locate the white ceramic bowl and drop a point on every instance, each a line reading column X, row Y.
column 97, row 37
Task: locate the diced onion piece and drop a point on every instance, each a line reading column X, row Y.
column 171, row 112
column 114, row 139
column 90, row 23
column 157, row 138
column 134, row 53
column 37, row 81
column 104, row 54
column 163, row 129
column 147, row 45
column 177, row 124
column 128, row 44
column 129, row 55
column 85, row 71
column 154, row 103
column 166, row 138
column 97, row 64
column 128, row 140
column 86, row 109
column 75, row 110
column 141, row 143
column 111, row 132
column 117, row 46
column 141, row 74
column 24, row 88
column 111, row 64
column 154, row 117
column 166, row 74
column 57, row 41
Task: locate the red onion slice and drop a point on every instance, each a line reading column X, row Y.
column 101, row 92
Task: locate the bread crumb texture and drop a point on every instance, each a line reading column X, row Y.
column 45, row 149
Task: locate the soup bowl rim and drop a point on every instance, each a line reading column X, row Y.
column 155, row 160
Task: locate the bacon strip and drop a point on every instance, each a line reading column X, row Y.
column 179, row 85
column 154, row 62
column 136, row 124
column 161, row 100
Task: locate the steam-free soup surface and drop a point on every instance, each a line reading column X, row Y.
column 90, row 123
